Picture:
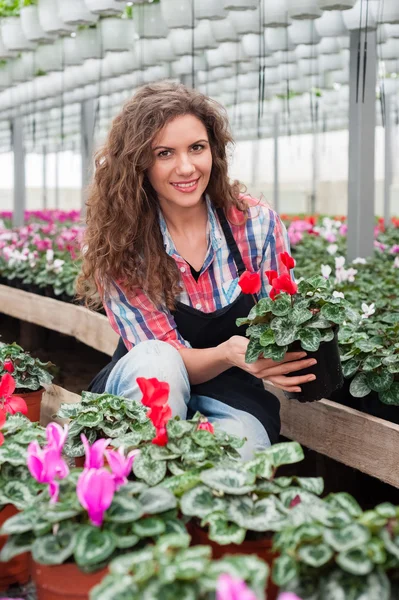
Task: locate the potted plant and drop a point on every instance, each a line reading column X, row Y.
column 30, row 376
column 342, row 552
column 92, row 516
column 237, row 507
column 171, row 569
column 17, row 489
column 304, row 316
column 11, row 29
column 30, row 23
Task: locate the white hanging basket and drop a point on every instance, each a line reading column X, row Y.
column 50, row 20
column 49, row 58
column 331, row 62
column 358, row 18
column 392, row 30
column 303, row 9
column 288, row 71
column 389, row 12
column 336, row 4
column 390, row 50
column 72, row 51
column 304, row 32
column 90, row 42
column 155, row 73
column 210, row 9
column 145, row 54
column 5, row 76
column 164, row 50
column 13, row 36
column 185, row 65
column 286, row 57
column 215, row 58
column 75, row 77
column 75, row 12
column 5, row 52
column 149, row 21
column 181, row 41
column 272, row 75
column 223, row 30
column 241, row 4
column 278, row 38
column 309, row 66
column 23, row 68
column 203, row 36
column 245, row 21
column 105, row 7
column 31, row 27
column 275, row 14
column 177, row 13
column 251, row 45
column 331, row 24
column 329, row 45
column 117, row 34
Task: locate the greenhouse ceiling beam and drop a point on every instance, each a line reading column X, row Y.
column 19, row 171
column 88, row 118
column 388, row 159
column 362, row 124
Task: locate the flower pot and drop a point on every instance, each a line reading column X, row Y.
column 118, row 35
column 31, row 25
column 104, row 7
column 16, row 570
column 262, row 548
column 33, row 400
column 64, row 582
column 50, row 20
column 13, row 35
column 328, row 371
column 75, row 12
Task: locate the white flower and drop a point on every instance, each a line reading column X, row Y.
column 367, row 310
column 57, row 265
column 332, row 249
column 49, row 255
column 338, row 294
column 339, row 262
column 359, row 261
column 350, row 273
column 396, row 263
column 326, row 271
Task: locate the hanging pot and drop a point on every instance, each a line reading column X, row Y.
column 177, row 13
column 210, row 9
column 337, row 4
column 278, row 38
column 185, row 65
column 75, row 77
column 64, row 582
column 72, row 51
column 303, row 9
column 90, row 42
column 5, row 53
column 75, row 12
column 117, row 34
column 304, row 32
column 308, row 51
column 105, row 7
column 309, row 66
column 261, row 548
column 149, row 21
column 390, row 50
column 16, row 570
column 13, row 36
column 275, row 14
column 328, row 371
column 329, row 45
column 392, row 31
column 245, row 21
column 156, row 73
column 358, row 18
column 181, row 41
column 31, row 27
column 331, row 62
column 331, row 24
column 241, row 4
column 50, row 20
column 49, row 58
column 5, row 76
column 164, row 50
column 224, row 31
column 251, row 44
column 145, row 54
column 23, row 68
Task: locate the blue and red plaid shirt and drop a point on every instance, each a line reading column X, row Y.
column 260, row 240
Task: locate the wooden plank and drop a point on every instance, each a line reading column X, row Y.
column 53, row 397
column 88, row 327
column 349, row 436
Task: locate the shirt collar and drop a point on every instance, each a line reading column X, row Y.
column 214, row 230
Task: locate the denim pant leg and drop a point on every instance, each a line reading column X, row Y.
column 148, row 359
column 235, row 422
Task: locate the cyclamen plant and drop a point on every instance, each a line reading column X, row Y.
column 29, row 373
column 8, row 402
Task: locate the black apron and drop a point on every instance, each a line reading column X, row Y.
column 234, row 387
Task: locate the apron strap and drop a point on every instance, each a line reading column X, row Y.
column 232, row 244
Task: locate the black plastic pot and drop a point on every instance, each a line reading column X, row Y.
column 328, row 371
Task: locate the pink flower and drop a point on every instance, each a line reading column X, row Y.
column 95, row 491
column 120, row 465
column 8, row 366
column 230, row 588
column 56, row 436
column 206, row 426
column 288, row 596
column 45, row 465
column 11, row 404
column 94, row 453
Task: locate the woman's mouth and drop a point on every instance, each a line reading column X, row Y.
column 186, row 186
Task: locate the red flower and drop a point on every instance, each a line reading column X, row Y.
column 2, row 421
column 287, row 260
column 283, row 284
column 8, row 366
column 161, row 439
column 271, row 275
column 11, row 404
column 155, row 396
column 206, row 426
column 295, row 501
column 250, row 283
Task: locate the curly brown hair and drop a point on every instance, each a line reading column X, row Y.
column 123, row 240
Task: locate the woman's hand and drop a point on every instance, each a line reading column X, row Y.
column 268, row 369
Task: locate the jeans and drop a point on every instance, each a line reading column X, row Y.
column 158, row 359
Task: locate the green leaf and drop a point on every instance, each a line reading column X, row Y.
column 256, row 331
column 380, row 382
column 177, row 428
column 16, row 544
column 267, row 337
column 371, row 363
column 333, row 313
column 55, row 549
column 19, row 523
column 389, row 543
column 262, row 515
column 149, row 527
column 114, row 587
column 327, row 336
column 391, row 396
column 93, row 546
column 355, row 561
column 359, row 387
column 253, row 351
column 319, row 322
column 285, row 569
column 115, row 430
column 124, row 509
column 228, row 480
column 300, row 315
column 151, row 471
column 69, row 411
column 350, row 367
column 281, row 305
column 310, row 339
column 224, row 533
column 275, row 352
column 284, row 453
column 19, row 494
column 200, row 501
column 315, row 485
column 204, row 439
column 179, row 484
column 287, row 334
column 351, row 536
column 157, row 500
column 315, row 555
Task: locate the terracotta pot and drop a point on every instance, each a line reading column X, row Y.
column 64, row 582
column 16, row 570
column 33, row 400
column 262, row 548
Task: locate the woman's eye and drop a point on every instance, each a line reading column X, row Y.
column 198, row 147
column 164, row 153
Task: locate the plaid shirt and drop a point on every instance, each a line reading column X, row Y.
column 260, row 239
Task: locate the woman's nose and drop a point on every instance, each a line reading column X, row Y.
column 184, row 165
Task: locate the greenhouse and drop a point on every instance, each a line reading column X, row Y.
column 199, row 307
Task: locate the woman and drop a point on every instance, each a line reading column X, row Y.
column 167, row 238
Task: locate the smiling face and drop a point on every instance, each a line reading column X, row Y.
column 182, row 163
